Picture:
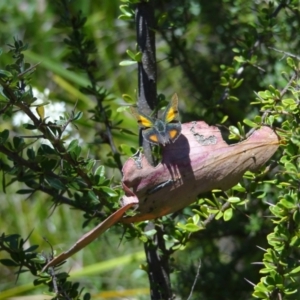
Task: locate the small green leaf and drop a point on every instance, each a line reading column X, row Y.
column 107, row 190
column 29, row 126
column 18, row 143
column 233, row 98
column 25, row 191
column 224, row 81
column 125, row 17
column 196, row 219
column 93, row 196
column 127, row 63
column 238, row 83
column 87, row 296
column 224, row 119
column 234, row 130
column 8, row 262
column 130, row 54
column 128, row 131
column 100, row 171
column 138, row 56
column 239, row 59
column 250, row 123
column 228, row 213
column 290, row 62
column 150, row 233
column 4, row 136
column 290, row 103
column 78, row 116
column 235, row 50
column 219, row 215
column 121, row 109
column 239, row 188
column 288, row 202
column 128, row 99
column 5, row 74
column 47, row 150
column 126, row 10
column 31, row 248
column 74, row 150
column 42, row 281
column 233, row 199
column 72, row 146
column 30, row 153
column 192, row 227
column 39, row 259
column 55, row 183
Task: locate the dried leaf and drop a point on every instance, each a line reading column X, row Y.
column 199, row 161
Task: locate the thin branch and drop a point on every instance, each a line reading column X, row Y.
column 212, row 216
column 294, row 76
column 32, row 68
column 195, row 281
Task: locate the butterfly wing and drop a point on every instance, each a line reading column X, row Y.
column 153, row 136
column 142, row 119
column 174, row 131
column 150, row 132
column 171, row 118
column 171, row 113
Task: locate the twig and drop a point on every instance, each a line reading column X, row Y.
column 195, row 281
column 288, row 84
column 32, row 68
column 212, row 216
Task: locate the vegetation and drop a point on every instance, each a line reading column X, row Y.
column 68, row 73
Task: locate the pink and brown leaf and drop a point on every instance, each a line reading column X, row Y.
column 199, row 161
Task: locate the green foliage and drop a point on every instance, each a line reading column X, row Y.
column 280, row 259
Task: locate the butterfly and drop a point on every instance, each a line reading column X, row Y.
column 163, row 130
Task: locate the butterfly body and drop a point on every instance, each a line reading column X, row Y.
column 164, row 130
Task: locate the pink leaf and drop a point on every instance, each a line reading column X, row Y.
column 199, row 161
